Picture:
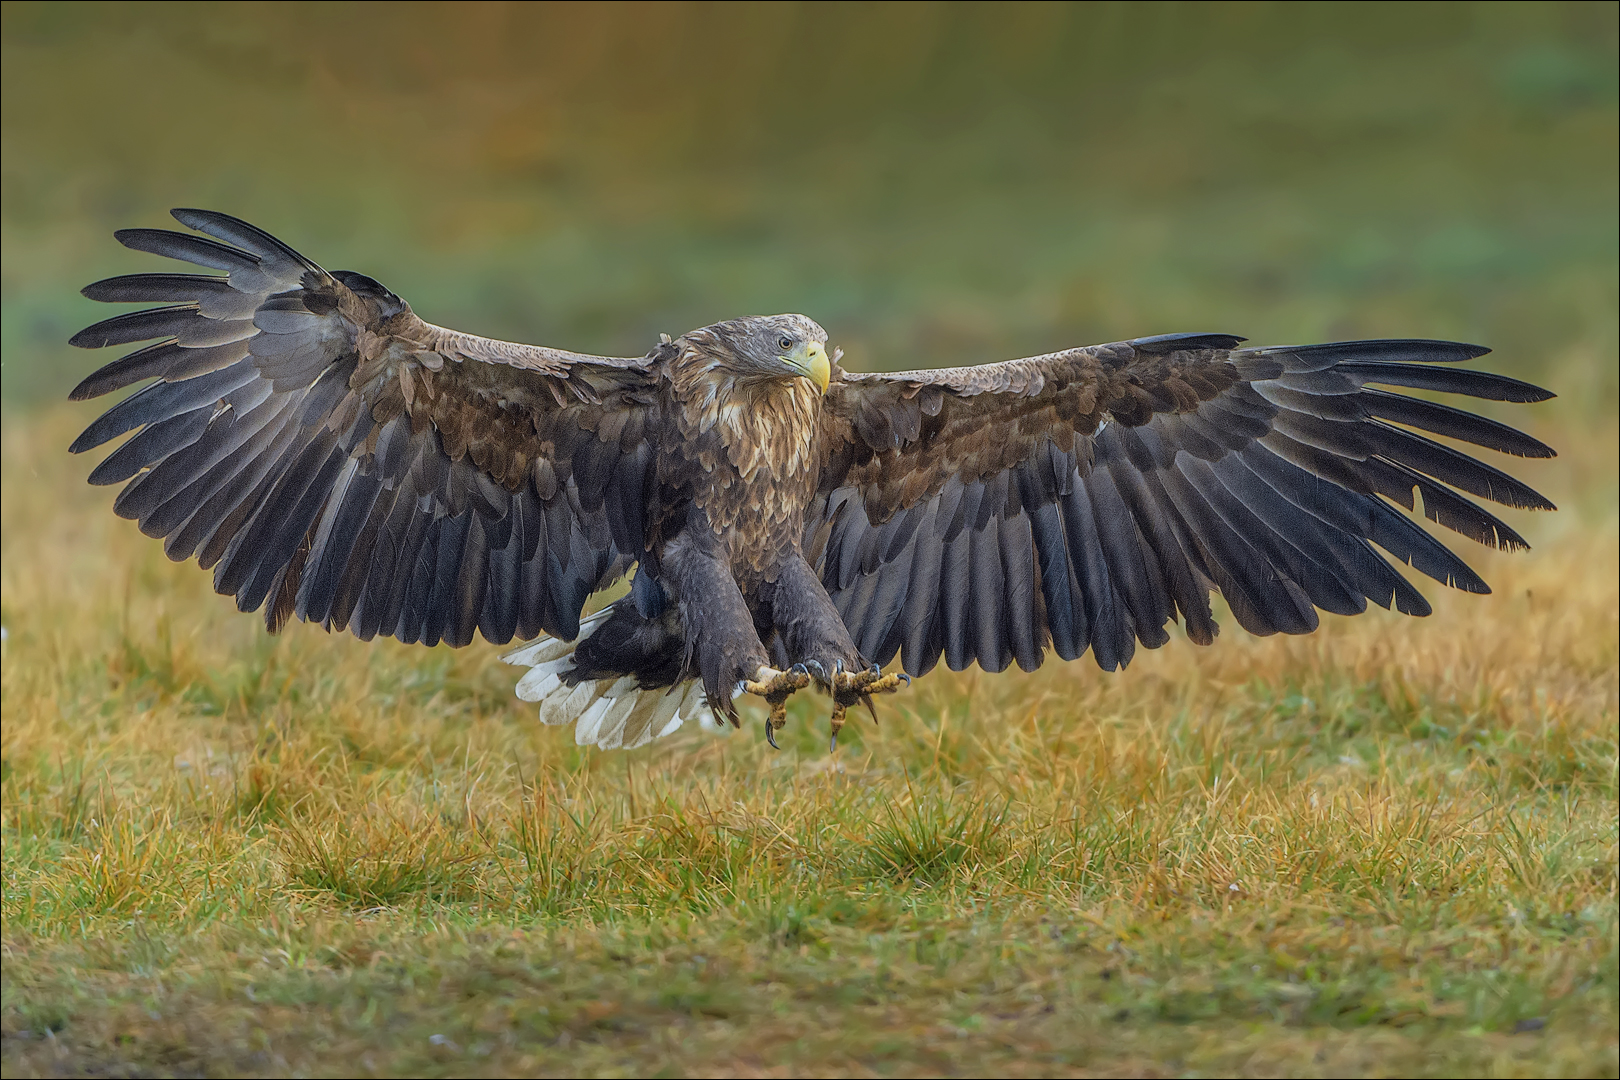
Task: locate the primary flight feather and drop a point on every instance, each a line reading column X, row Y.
column 334, row 458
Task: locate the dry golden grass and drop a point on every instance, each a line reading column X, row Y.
column 1385, row 849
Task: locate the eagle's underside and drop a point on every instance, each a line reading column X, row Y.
column 334, row 458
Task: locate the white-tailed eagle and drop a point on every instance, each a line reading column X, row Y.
column 333, row 458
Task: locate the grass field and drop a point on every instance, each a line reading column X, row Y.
column 1385, row 849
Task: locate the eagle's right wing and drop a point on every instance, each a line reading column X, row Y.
column 334, row 457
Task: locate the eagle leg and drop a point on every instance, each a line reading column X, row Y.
column 776, row 687
column 850, row 687
column 839, row 709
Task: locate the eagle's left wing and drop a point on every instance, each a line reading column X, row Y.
column 1086, row 498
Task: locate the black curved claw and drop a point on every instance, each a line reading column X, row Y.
column 814, row 668
column 832, row 747
column 799, row 669
column 770, row 735
column 904, row 676
column 874, row 671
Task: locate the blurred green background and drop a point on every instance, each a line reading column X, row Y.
column 935, row 183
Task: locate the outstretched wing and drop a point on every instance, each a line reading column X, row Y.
column 1086, row 498
column 335, row 458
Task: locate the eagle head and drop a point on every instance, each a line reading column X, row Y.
column 768, row 347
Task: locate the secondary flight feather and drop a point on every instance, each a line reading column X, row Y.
column 334, row 458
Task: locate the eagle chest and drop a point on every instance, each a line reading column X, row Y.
column 757, row 470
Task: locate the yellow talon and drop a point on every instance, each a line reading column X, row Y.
column 850, row 687
column 776, row 687
column 848, row 684
column 888, row 684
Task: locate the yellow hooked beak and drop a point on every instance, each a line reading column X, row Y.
column 810, row 360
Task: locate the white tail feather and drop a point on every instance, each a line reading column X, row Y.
column 662, row 718
column 590, row 720
column 610, row 734
column 540, row 650
column 537, row 682
column 610, row 715
column 570, row 702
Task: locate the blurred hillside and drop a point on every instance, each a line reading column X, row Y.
column 936, row 184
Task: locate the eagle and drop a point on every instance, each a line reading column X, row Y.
column 786, row 522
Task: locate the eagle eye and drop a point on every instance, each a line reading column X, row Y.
column 785, row 344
